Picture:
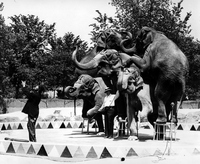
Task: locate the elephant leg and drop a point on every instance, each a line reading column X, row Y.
column 131, row 119
column 152, row 116
column 162, row 116
column 162, row 93
column 174, row 113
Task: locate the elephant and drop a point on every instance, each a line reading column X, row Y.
column 108, row 39
column 91, row 90
column 164, row 67
column 139, row 105
column 133, row 97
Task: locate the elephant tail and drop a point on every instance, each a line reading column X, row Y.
column 181, row 102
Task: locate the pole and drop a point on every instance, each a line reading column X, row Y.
column 75, row 107
column 172, row 105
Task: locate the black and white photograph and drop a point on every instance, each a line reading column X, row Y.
column 99, row 81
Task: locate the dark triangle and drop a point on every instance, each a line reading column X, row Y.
column 50, row 126
column 94, row 125
column 131, row 153
column 42, row 151
column 20, row 126
column 66, row 153
column 3, row 127
column 31, row 150
column 69, row 125
column 198, row 129
column 10, row 148
column 105, row 154
column 38, row 126
column 180, row 127
column 62, row 125
column 81, row 124
column 193, row 128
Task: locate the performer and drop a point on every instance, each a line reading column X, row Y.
column 31, row 108
column 108, row 108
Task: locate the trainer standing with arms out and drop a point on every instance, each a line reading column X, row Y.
column 31, row 108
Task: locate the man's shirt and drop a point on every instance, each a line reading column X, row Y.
column 109, row 100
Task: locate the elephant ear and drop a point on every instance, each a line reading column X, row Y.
column 139, row 82
column 146, row 36
column 101, row 41
column 87, row 82
column 102, row 38
column 90, row 83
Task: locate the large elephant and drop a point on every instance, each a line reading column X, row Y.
column 91, row 90
column 164, row 67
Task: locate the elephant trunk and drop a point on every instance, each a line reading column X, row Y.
column 126, row 82
column 122, row 82
column 71, row 92
column 129, row 35
column 127, row 50
column 89, row 65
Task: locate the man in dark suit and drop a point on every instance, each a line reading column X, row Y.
column 31, row 108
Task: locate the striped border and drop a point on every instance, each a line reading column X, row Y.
column 79, row 124
column 96, row 152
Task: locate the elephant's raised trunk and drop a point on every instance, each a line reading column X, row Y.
column 89, row 65
column 70, row 91
column 127, row 50
column 122, row 82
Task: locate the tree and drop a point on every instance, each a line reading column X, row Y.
column 6, row 38
column 28, row 49
column 60, row 67
column 103, row 22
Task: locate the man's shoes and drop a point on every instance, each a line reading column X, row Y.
column 100, row 134
column 109, row 137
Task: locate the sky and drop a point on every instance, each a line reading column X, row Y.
column 76, row 15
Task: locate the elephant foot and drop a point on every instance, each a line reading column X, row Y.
column 161, row 120
column 132, row 138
